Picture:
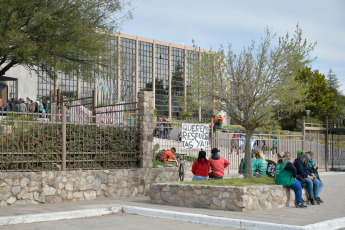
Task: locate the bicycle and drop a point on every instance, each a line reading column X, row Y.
column 180, row 166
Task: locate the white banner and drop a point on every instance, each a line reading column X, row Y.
column 105, row 115
column 195, row 136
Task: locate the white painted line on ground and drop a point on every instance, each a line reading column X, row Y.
column 64, row 215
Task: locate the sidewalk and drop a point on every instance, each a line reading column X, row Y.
column 329, row 215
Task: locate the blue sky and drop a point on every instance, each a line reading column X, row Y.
column 220, row 22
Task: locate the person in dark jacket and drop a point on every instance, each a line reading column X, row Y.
column 201, row 167
column 286, row 175
column 314, row 185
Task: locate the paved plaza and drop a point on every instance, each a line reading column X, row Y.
column 329, row 215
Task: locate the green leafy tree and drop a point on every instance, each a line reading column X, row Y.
column 321, row 100
column 58, row 35
column 334, row 86
column 332, row 82
column 258, row 81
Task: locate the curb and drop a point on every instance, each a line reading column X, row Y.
column 163, row 214
column 205, row 219
column 64, row 215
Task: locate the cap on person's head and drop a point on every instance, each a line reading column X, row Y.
column 215, row 150
column 300, row 152
column 173, row 148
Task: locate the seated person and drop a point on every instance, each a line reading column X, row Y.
column 242, row 168
column 218, row 164
column 201, row 167
column 169, row 157
column 261, row 163
column 314, row 167
column 286, row 175
column 314, row 185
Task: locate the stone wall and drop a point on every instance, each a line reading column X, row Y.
column 223, row 197
column 21, row 188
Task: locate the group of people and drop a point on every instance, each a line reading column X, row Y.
column 303, row 170
column 28, row 105
column 259, row 165
column 201, row 167
column 217, row 122
column 162, row 128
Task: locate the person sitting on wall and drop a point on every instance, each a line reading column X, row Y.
column 306, row 175
column 218, row 164
column 286, row 175
column 261, row 163
column 299, row 154
column 314, row 167
column 169, row 157
column 201, row 167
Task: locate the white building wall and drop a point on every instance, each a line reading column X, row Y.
column 27, row 81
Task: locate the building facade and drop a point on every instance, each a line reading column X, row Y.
column 141, row 64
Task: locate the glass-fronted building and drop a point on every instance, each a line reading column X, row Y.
column 140, row 64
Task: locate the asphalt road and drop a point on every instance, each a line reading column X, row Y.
column 116, row 221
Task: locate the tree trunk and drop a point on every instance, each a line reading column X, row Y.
column 247, row 157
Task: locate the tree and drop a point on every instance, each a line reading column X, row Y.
column 334, row 86
column 332, row 82
column 259, row 81
column 64, row 35
column 320, row 99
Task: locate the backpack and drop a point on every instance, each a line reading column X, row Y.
column 32, row 107
column 271, row 168
column 159, row 155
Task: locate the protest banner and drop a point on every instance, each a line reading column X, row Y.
column 195, row 136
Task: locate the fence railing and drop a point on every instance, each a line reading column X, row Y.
column 35, row 142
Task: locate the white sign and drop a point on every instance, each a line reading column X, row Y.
column 195, row 136
column 112, row 114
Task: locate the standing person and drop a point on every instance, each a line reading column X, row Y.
column 275, row 145
column 40, row 107
column 22, row 106
column 261, row 163
column 234, row 143
column 286, row 175
column 218, row 164
column 314, row 185
column 201, row 167
column 169, row 157
column 215, row 119
column 1, row 105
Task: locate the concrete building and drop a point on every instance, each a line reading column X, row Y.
column 143, row 64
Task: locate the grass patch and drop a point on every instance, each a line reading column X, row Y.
column 156, row 163
column 238, row 182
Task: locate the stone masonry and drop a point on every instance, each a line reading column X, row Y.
column 145, row 123
column 223, row 197
column 21, row 188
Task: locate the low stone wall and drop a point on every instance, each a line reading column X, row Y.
column 21, row 188
column 223, row 197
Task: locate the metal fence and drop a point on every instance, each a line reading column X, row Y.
column 167, row 134
column 36, row 141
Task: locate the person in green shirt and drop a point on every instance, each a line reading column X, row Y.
column 286, row 175
column 242, row 168
column 261, row 163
